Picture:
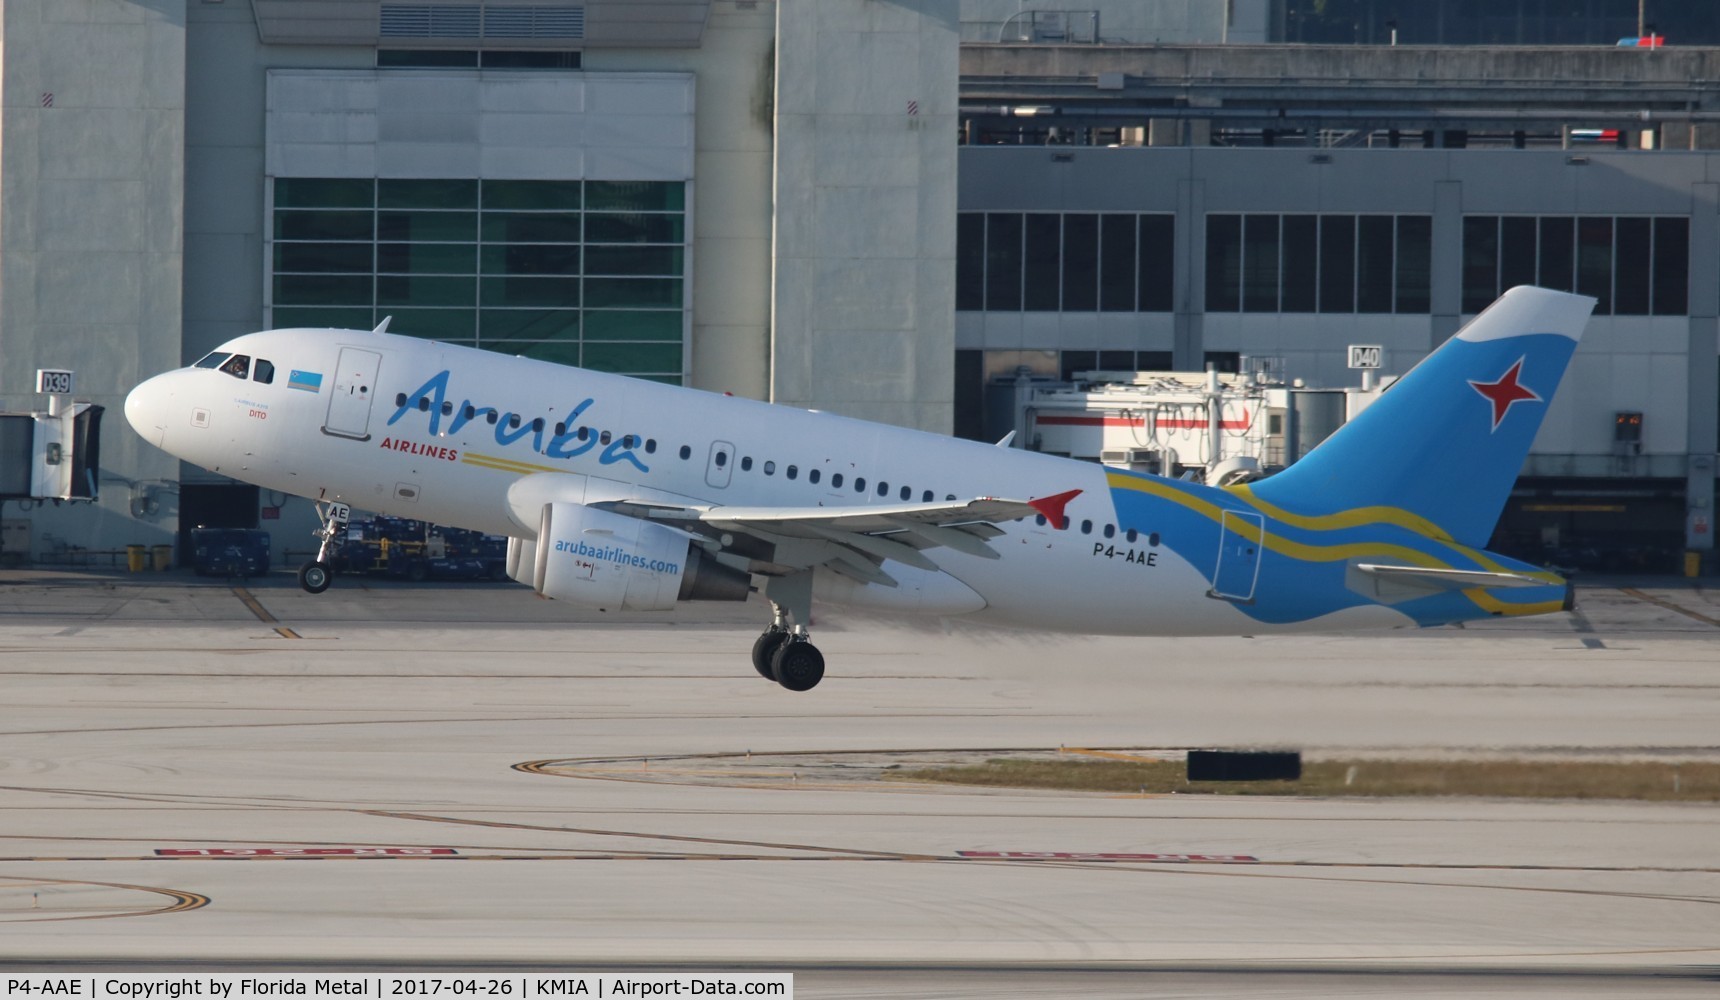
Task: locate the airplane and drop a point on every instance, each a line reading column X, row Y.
column 624, row 494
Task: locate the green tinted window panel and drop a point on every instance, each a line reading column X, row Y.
column 311, row 225
column 567, row 347
column 603, row 227
column 517, row 258
column 322, row 290
column 561, row 352
column 531, row 227
column 665, row 261
column 426, row 194
column 515, row 291
column 320, row 192
column 426, row 58
column 449, row 227
column 665, row 379
column 543, row 196
column 432, row 324
column 626, row 293
column 337, row 319
column 349, row 258
column 426, row 258
column 652, row 358
column 636, row 196
column 615, row 324
column 496, row 325
column 440, row 290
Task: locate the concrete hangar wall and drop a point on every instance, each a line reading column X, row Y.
column 738, row 195
column 1288, row 254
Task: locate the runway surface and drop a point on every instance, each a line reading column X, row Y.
column 195, row 774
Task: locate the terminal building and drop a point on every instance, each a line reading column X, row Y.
column 873, row 207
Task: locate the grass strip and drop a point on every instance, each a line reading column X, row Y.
column 1648, row 781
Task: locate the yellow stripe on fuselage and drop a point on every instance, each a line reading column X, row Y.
column 1357, row 517
column 504, row 464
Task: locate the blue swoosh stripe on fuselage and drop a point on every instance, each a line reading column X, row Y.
column 1304, row 571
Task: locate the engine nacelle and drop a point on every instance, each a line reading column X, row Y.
column 522, row 560
column 613, row 562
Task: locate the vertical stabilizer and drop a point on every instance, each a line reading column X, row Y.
column 1445, row 442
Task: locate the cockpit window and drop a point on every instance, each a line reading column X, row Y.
column 263, row 371
column 212, row 360
column 238, row 366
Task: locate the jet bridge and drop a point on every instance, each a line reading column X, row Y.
column 1210, row 426
column 51, row 454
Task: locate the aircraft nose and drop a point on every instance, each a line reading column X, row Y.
column 145, row 408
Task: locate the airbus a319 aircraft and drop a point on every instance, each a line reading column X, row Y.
column 622, row 494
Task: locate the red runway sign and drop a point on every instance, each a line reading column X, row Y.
column 304, row 852
column 1083, row 856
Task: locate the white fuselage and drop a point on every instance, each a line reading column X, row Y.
column 362, row 436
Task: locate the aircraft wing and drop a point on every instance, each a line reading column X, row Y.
column 1453, row 579
column 853, row 541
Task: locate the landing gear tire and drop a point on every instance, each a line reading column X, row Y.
column 764, row 648
column 315, row 577
column 797, row 666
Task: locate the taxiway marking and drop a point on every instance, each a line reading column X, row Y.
column 256, row 607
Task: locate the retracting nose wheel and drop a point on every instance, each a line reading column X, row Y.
column 316, row 575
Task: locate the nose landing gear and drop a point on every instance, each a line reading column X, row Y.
column 315, row 576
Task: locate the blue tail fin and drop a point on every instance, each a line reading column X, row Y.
column 1445, row 443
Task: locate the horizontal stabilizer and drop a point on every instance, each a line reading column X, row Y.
column 1453, row 579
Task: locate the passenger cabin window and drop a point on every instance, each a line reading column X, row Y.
column 812, row 477
column 212, row 360
column 686, row 453
column 836, row 481
column 238, row 366
column 746, row 464
column 263, row 371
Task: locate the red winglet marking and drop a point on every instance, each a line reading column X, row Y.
column 1052, row 507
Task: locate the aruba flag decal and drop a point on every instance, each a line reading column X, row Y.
column 308, row 381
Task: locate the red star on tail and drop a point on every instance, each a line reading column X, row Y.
column 1505, row 392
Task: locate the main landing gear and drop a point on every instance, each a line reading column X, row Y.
column 785, row 653
column 316, row 575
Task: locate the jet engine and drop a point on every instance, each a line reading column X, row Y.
column 522, row 559
column 599, row 559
